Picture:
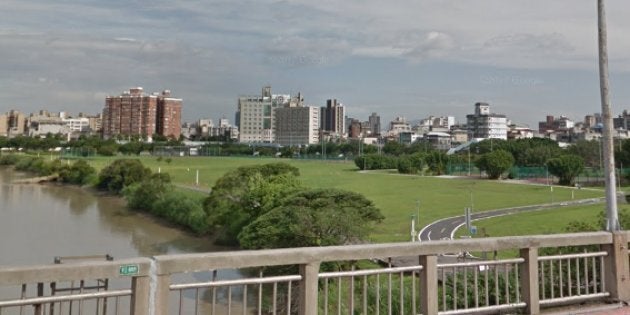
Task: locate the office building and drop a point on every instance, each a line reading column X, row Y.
column 298, row 125
column 255, row 116
column 333, row 122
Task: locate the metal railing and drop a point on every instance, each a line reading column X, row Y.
column 341, row 279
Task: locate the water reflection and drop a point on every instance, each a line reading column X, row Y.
column 43, row 221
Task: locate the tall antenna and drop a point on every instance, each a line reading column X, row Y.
column 612, row 217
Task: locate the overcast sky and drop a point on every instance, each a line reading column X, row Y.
column 411, row 58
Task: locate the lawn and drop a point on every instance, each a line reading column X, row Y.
column 396, row 195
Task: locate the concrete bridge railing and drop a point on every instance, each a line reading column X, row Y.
column 338, row 279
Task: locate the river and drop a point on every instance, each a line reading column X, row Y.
column 39, row 222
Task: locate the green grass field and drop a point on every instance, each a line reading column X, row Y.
column 396, row 195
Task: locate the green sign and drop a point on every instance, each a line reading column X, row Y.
column 128, row 270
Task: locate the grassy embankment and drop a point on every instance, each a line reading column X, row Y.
column 396, row 195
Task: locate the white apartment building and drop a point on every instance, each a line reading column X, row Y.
column 483, row 124
column 297, row 125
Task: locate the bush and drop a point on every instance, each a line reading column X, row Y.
column 142, row 195
column 122, row 173
column 80, row 173
column 178, row 208
column 410, row 164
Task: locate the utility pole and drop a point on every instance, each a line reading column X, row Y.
column 612, row 217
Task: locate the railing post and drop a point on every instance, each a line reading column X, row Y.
column 616, row 267
column 160, row 302
column 140, row 291
column 529, row 280
column 429, row 285
column 309, row 288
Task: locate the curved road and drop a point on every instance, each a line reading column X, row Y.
column 445, row 228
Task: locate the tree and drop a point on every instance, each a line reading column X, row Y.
column 241, row 195
column 566, row 167
column 410, row 164
column 495, row 163
column 314, row 217
column 122, row 173
column 436, row 162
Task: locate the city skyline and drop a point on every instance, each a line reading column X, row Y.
column 409, row 58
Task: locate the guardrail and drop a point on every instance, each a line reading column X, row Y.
column 343, row 279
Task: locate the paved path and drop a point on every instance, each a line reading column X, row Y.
column 446, row 228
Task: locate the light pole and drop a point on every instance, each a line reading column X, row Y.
column 612, row 217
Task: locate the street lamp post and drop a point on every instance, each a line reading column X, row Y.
column 612, row 217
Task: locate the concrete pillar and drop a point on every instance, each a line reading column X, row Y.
column 617, row 271
column 429, row 285
column 140, row 291
column 161, row 294
column 309, row 288
column 529, row 280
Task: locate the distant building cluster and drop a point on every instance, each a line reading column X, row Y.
column 40, row 124
column 287, row 120
column 136, row 113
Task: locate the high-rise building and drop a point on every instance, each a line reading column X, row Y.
column 297, row 125
column 333, row 119
column 375, row 124
column 169, row 115
column 255, row 116
column 136, row 113
column 16, row 123
column 4, row 125
column 483, row 124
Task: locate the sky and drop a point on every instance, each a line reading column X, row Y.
column 408, row 58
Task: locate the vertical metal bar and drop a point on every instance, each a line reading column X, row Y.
column 289, row 298
column 53, row 287
column 506, row 277
column 552, row 283
column 275, row 298
column 560, row 274
column 326, row 292
column 338, row 295
column 602, row 278
column 476, row 284
column 378, row 294
column 455, row 288
column 365, row 293
column 497, row 294
column 106, row 281
column 517, row 283
column 351, row 293
column 117, row 305
column 413, row 293
column 443, row 289
column 402, row 293
column 197, row 301
column 22, row 296
column 245, row 299
column 81, row 286
column 586, row 278
column 570, row 278
column 465, row 287
column 181, row 301
column 229, row 288
column 487, row 285
column 389, row 293
column 260, row 293
column 594, row 270
column 542, row 279
column 213, row 308
column 577, row 276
